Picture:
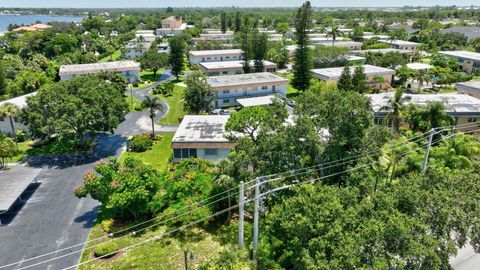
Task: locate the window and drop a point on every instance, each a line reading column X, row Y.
column 225, row 72
column 226, row 91
column 184, row 153
column 177, row 153
column 211, row 152
column 273, row 88
column 226, row 100
column 472, row 120
column 227, row 57
column 264, row 87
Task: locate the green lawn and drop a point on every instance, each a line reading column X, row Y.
column 148, row 78
column 53, row 148
column 291, row 91
column 175, row 102
column 158, row 156
column 23, row 147
column 113, row 57
column 136, row 103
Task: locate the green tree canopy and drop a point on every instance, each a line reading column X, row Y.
column 199, row 94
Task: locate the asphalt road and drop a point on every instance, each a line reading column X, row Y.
column 52, row 217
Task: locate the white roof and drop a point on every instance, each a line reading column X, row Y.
column 474, row 56
column 232, row 64
column 329, row 74
column 454, row 103
column 419, row 66
column 216, row 52
column 339, row 43
column 98, row 67
column 256, row 101
column 471, row 85
column 383, row 51
column 245, row 79
column 399, row 42
column 201, row 128
column 355, row 58
column 20, row 101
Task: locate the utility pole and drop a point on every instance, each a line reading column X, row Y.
column 241, row 213
column 131, row 94
column 427, row 152
column 185, row 254
column 255, row 217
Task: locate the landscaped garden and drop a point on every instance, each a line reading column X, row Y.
column 175, row 101
column 157, row 156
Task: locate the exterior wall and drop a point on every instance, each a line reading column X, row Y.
column 230, row 72
column 227, row 98
column 132, row 75
column 133, row 53
column 370, row 81
column 222, row 153
column 473, row 93
column 168, row 32
column 6, row 128
column 198, row 60
column 460, row 120
column 412, row 48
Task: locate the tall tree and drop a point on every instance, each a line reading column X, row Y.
column 238, row 22
column 223, row 22
column 395, row 107
column 199, row 94
column 152, row 105
column 334, row 33
column 259, row 49
column 11, row 111
column 359, row 80
column 303, row 62
column 154, row 61
column 3, row 83
column 8, row 149
column 177, row 55
column 345, row 80
column 246, row 44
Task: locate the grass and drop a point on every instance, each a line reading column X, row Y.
column 166, row 253
column 53, row 148
column 148, row 78
column 23, row 147
column 291, row 91
column 136, row 104
column 158, row 156
column 113, row 57
column 175, row 102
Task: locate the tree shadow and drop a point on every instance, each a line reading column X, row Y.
column 88, row 218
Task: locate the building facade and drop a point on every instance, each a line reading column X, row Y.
column 229, row 88
column 471, row 88
column 232, row 67
column 197, row 57
column 402, row 44
column 128, row 69
column 467, row 61
column 6, row 123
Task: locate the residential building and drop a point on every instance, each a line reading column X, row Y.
column 471, row 32
column 232, row 67
column 351, row 45
column 331, row 75
column 171, row 26
column 467, row 61
column 471, row 88
column 383, row 51
column 229, row 88
column 137, row 47
column 220, row 37
column 216, row 31
column 256, row 101
column 145, row 35
column 315, row 40
column 202, row 136
column 402, row 44
column 368, row 36
column 353, row 59
column 171, row 22
column 464, row 108
column 128, row 69
column 197, row 57
column 20, row 102
column 421, row 67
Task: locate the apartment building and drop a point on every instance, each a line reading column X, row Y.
column 331, row 75
column 202, row 136
column 197, row 57
column 351, row 45
column 471, row 88
column 128, row 69
column 232, row 67
column 402, row 44
column 467, row 61
column 171, row 26
column 5, row 124
column 229, row 88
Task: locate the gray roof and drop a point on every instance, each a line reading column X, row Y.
column 117, row 66
column 339, row 43
column 256, row 101
column 232, row 64
column 245, row 79
column 20, row 101
column 454, row 103
column 399, row 42
column 201, row 128
column 470, row 85
column 215, row 52
column 383, row 51
column 473, row 56
column 13, row 183
column 330, row 74
column 471, row 32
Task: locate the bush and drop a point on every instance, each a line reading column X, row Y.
column 21, row 136
column 106, row 251
column 141, row 145
column 107, row 225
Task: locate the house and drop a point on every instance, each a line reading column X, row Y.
column 402, row 44
column 315, row 40
column 353, row 59
column 145, row 35
column 467, row 61
column 229, row 88
column 464, row 108
column 471, row 32
column 220, row 37
column 137, row 47
column 421, row 67
column 20, row 102
column 351, row 45
column 383, row 51
column 202, row 136
column 331, row 75
column 171, row 26
column 471, row 88
column 232, row 67
column 197, row 57
column 128, row 69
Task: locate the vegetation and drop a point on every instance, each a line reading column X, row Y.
column 152, row 105
column 303, row 63
column 158, row 156
column 175, row 102
column 176, row 57
column 8, row 149
column 154, row 61
column 199, row 94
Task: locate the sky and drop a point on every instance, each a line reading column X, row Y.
column 223, row 3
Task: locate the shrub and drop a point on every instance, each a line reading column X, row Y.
column 21, row 136
column 107, row 225
column 141, row 145
column 106, row 251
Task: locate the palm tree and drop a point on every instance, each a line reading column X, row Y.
column 422, row 77
column 152, row 104
column 333, row 33
column 434, row 116
column 225, row 182
column 11, row 111
column 395, row 106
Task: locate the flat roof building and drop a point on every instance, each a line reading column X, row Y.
column 202, row 136
column 232, row 67
column 419, row 66
column 467, row 61
column 229, row 88
column 471, row 32
column 19, row 102
column 351, row 45
column 197, row 57
column 128, row 69
column 464, row 108
column 402, row 44
column 331, row 75
column 471, row 88
column 383, row 51
column 221, row 37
